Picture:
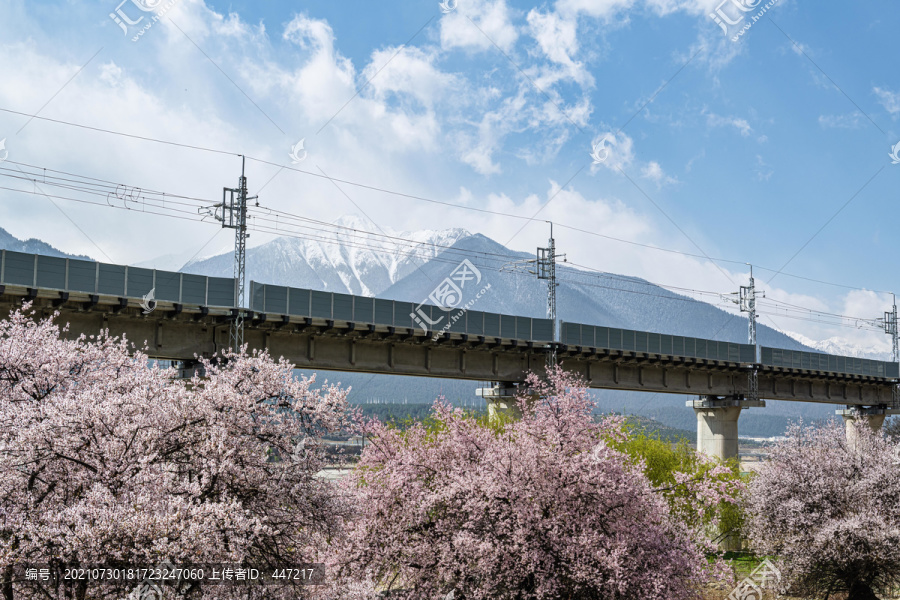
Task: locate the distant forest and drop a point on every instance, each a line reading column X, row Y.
column 404, row 414
column 400, row 413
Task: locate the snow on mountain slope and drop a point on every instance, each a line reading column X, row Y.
column 348, row 259
column 841, row 347
column 344, row 258
column 583, row 297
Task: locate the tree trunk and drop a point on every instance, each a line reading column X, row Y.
column 861, row 591
column 7, row 583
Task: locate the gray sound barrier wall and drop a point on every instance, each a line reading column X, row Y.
column 73, row 275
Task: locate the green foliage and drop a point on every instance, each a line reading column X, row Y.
column 661, row 458
column 396, row 413
column 654, row 429
column 403, row 416
column 677, row 470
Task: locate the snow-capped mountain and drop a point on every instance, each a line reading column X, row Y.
column 345, row 257
column 33, row 246
column 841, row 347
column 582, row 297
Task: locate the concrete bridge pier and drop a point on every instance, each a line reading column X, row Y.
column 864, row 416
column 501, row 400
column 717, row 429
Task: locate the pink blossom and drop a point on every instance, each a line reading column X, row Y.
column 830, row 509
column 103, row 459
column 542, row 507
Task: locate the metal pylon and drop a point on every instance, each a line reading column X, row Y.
column 234, row 216
column 544, row 266
column 546, row 269
column 890, row 327
column 747, row 303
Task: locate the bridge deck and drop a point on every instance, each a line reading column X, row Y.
column 481, row 347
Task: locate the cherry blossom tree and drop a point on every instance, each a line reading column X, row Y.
column 541, row 507
column 830, row 509
column 106, row 460
column 705, row 493
column 892, row 429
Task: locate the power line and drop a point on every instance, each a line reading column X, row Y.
column 100, row 183
column 290, row 216
column 422, row 198
column 191, row 216
column 140, row 197
column 649, row 283
column 119, row 133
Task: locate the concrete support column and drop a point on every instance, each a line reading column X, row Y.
column 187, row 368
column 717, row 436
column 501, row 400
column 717, row 429
column 863, row 416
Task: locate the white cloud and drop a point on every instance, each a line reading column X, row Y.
column 616, row 151
column 800, row 48
column 888, row 99
column 742, row 125
column 116, row 101
column 655, row 173
column 693, row 159
column 478, row 25
column 326, row 79
column 558, row 40
column 555, row 35
column 652, row 171
column 495, row 125
column 763, row 170
column 847, row 121
column 411, row 72
column 307, row 33
column 399, row 89
column 594, row 8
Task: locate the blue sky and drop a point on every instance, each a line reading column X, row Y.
column 740, row 150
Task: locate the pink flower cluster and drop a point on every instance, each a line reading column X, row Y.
column 829, row 508
column 542, row 507
column 103, row 459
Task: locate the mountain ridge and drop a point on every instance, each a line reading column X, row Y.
column 356, row 261
column 840, row 347
column 34, row 246
column 351, row 260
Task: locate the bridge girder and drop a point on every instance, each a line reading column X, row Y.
column 181, row 332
